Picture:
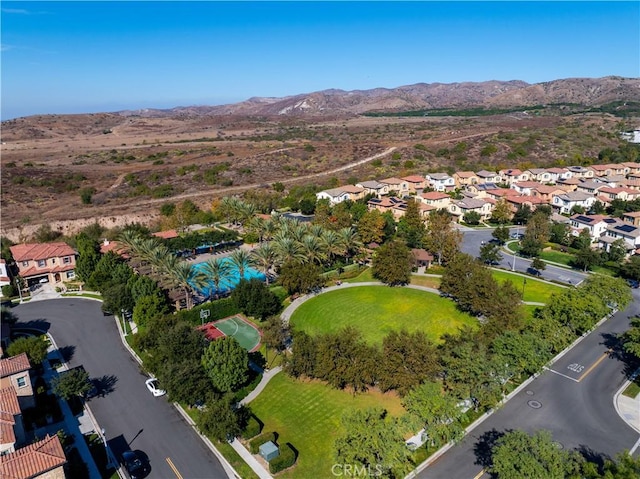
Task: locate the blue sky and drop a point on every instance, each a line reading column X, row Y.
column 75, row 57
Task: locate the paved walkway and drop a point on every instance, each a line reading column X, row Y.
column 247, row 457
column 266, row 377
column 629, row 408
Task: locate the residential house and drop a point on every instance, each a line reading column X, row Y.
column 12, row 431
column 631, row 167
column 590, row 186
column 4, row 275
column 168, row 234
column 581, row 172
column 567, row 201
column 480, row 190
column 568, row 184
column 612, row 180
column 396, row 186
column 440, row 181
column 633, row 217
column 525, row 187
column 388, row 203
column 465, row 178
column 15, row 371
column 499, row 193
column 485, row 176
column 541, row 175
column 634, row 184
column 421, row 258
column 458, row 208
column 416, row 183
column 632, row 136
column 373, row 187
column 43, row 459
column 556, row 174
column 44, row 262
column 621, row 193
column 596, row 225
column 546, row 192
column 518, row 201
column 436, row 199
column 621, row 230
column 511, row 176
column 334, row 195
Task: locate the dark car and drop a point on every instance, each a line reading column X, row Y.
column 134, row 465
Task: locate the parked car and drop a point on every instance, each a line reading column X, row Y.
column 633, row 283
column 133, row 463
column 154, row 387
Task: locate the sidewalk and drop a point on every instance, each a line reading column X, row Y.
column 628, row 408
column 246, row 456
column 266, row 377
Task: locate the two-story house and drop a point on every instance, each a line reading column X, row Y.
column 546, row 192
column 621, row 230
column 458, row 208
column 465, row 178
column 440, row 181
column 595, row 224
column 396, row 206
column 416, row 183
column 485, row 176
column 556, row 174
column 525, row 187
column 12, row 431
column 44, row 262
column 373, row 187
column 565, row 202
column 15, row 371
column 581, row 172
column 43, row 459
column 541, row 175
column 396, row 186
column 436, row 199
column 513, row 175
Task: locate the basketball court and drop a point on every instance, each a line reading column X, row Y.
column 238, row 327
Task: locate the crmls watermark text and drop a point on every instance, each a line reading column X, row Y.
column 352, row 470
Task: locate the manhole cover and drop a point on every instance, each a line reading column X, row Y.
column 534, row 404
column 529, row 393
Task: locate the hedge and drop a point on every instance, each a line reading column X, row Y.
column 254, row 444
column 254, row 427
column 287, row 458
column 219, row 309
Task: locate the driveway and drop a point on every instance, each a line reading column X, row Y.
column 573, row 400
column 131, row 416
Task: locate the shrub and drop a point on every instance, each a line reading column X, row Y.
column 287, row 458
column 219, row 309
column 254, row 444
column 9, row 291
column 254, row 427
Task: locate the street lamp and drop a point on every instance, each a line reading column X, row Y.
column 513, row 264
column 106, row 450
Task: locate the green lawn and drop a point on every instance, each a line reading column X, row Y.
column 308, row 414
column 534, row 290
column 428, row 281
column 377, row 310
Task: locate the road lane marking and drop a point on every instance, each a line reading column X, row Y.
column 174, row 468
column 563, row 375
column 594, row 365
column 635, row 446
column 479, row 475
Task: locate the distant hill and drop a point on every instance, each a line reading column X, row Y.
column 488, row 94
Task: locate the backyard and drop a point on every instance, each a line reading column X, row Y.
column 378, row 310
column 307, row 414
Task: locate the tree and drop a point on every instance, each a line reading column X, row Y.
column 518, row 455
column 117, row 298
column 524, row 351
column 560, row 233
column 411, row 227
column 220, row 419
column 535, row 235
column 297, row 277
column 373, row 441
column 538, row 264
column 631, row 339
column 522, row 215
column 148, row 308
column 218, row 271
column 274, row 333
column 617, row 251
column 7, row 316
column 226, row 363
column 490, row 253
column 184, row 275
column 71, row 383
column 501, row 234
column 472, row 218
column 442, row 239
column 254, row 298
column 630, row 269
column 392, row 263
column 264, row 258
column 586, row 258
column 185, row 381
column 583, row 240
column 35, row 347
column 612, row 292
column 371, row 227
column 88, row 256
column 501, row 212
column 436, row 411
column 241, row 260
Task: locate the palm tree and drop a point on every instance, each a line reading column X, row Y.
column 185, row 276
column 315, row 230
column 217, row 270
column 286, row 249
column 312, row 249
column 241, row 260
column 258, row 226
column 246, row 211
column 264, row 258
column 332, row 244
column 349, row 241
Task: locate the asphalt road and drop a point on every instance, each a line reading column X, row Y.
column 131, row 416
column 472, row 241
column 573, row 400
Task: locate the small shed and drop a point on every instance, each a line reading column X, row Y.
column 269, row 451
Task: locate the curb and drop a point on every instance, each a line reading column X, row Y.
column 616, row 396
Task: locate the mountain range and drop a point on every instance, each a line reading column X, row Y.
column 424, row 96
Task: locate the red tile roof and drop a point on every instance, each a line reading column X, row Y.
column 9, row 408
column 14, row 365
column 33, row 460
column 35, row 271
column 434, row 195
column 36, row 251
column 169, row 234
column 414, row 179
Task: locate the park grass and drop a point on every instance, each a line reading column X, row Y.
column 633, row 389
column 365, row 277
column 378, row 310
column 426, row 281
column 534, row 290
column 307, row 414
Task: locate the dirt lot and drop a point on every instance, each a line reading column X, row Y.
column 128, row 166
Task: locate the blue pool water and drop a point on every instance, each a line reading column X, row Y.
column 232, row 282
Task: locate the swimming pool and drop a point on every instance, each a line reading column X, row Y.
column 232, row 282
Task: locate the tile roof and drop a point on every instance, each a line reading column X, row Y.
column 372, row 184
column 35, row 271
column 434, row 195
column 14, row 365
column 439, row 176
column 352, row 189
column 465, row 174
column 9, row 408
column 169, row 234
column 36, row 251
column 486, row 174
column 414, row 178
column 33, row 460
column 391, row 181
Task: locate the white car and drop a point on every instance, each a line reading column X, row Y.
column 153, row 386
